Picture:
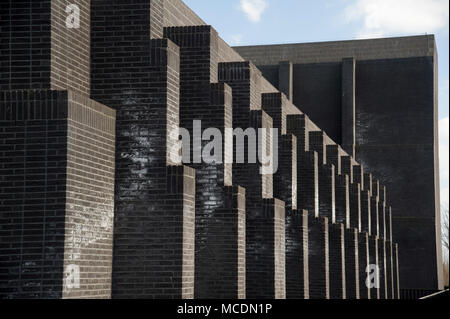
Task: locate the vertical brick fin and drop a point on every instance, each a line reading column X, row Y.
column 39, row 51
column 185, row 176
column 217, row 236
column 244, row 78
column 280, row 249
column 317, row 144
column 199, row 62
column 70, row 48
column 33, row 193
column 343, row 200
column 383, row 194
column 355, row 206
column 296, row 125
column 375, row 188
column 396, row 272
column 337, row 261
column 286, row 79
column 308, row 183
column 365, row 212
column 156, row 18
column 368, row 184
column 363, row 251
column 260, row 119
column 221, row 97
column 346, row 167
column 348, row 113
column 318, row 241
column 327, row 192
column 382, row 263
column 220, row 256
column 375, row 261
column 285, row 179
column 297, row 272
column 374, row 216
column 239, row 203
column 351, row 264
column 388, row 235
column 389, row 271
column 266, row 252
column 334, row 157
column 358, row 176
column 89, row 216
column 56, row 134
column 274, row 104
column 155, row 203
column 382, row 219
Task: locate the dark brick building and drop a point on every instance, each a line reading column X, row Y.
column 378, row 99
column 96, row 201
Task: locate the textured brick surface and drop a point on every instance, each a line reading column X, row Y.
column 179, row 232
column 39, row 51
column 352, row 272
column 343, row 200
column 318, row 243
column 378, row 99
column 337, row 261
column 374, row 260
column 149, row 192
column 57, row 188
column 363, row 254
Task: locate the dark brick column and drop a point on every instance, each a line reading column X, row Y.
column 285, row 188
column 383, row 267
column 374, row 216
column 374, row 260
column 319, row 280
column 363, row 251
column 39, row 51
column 351, row 264
column 365, row 211
column 355, row 206
column 155, row 198
column 244, row 79
column 382, row 212
column 286, row 79
column 56, row 195
column 296, row 125
column 297, row 271
column 333, row 156
column 217, row 246
column 358, row 175
column 347, row 167
column 337, row 261
column 396, row 272
column 266, row 252
column 348, row 114
column 388, row 235
column 343, row 200
column 389, row 271
column 327, row 206
column 307, row 166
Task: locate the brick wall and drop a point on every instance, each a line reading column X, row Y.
column 57, row 193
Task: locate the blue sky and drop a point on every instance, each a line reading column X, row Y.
column 249, row 22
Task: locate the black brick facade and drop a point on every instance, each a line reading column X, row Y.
column 108, row 189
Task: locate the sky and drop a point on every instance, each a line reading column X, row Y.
column 252, row 22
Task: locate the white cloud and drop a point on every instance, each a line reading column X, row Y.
column 444, row 158
column 396, row 17
column 253, row 9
